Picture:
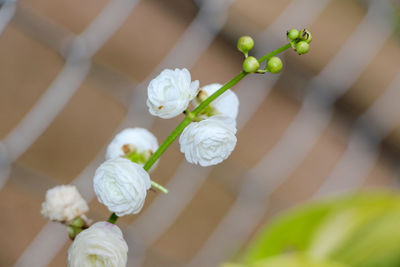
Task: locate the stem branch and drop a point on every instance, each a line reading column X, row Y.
column 274, row 53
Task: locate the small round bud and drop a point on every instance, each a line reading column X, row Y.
column 274, row 65
column 250, row 65
column 292, row 34
column 305, row 35
column 302, row 47
column 245, row 44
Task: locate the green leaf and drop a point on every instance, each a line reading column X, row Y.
column 343, row 224
column 292, row 231
column 375, row 244
column 322, row 229
column 291, row 260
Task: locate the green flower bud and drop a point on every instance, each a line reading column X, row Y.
column 250, row 65
column 305, row 35
column 302, row 47
column 245, row 44
column 292, row 34
column 78, row 222
column 274, row 65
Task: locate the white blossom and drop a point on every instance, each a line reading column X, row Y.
column 226, row 104
column 102, row 245
column 170, row 93
column 139, row 139
column 63, row 203
column 209, row 141
column 121, row 185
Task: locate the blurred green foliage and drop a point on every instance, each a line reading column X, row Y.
column 361, row 230
column 396, row 10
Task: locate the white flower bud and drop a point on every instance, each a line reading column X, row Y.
column 121, row 185
column 63, row 203
column 226, row 104
column 209, row 141
column 101, row 245
column 139, row 139
column 170, row 92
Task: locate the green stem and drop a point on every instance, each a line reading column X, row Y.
column 175, row 133
column 274, row 53
column 159, row 187
column 113, row 218
column 188, row 119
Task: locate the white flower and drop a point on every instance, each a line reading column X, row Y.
column 102, row 245
column 121, row 185
column 63, row 203
column 209, row 141
column 170, row 92
column 226, row 104
column 139, row 139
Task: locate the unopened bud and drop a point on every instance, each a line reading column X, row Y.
column 274, row 65
column 78, row 222
column 302, row 47
column 292, row 34
column 305, row 35
column 250, row 65
column 245, row 44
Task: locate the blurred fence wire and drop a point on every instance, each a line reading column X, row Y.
column 259, row 182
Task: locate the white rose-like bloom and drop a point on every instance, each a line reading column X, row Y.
column 121, row 185
column 209, row 141
column 102, row 245
column 63, row 203
column 141, row 139
column 170, row 92
column 226, row 104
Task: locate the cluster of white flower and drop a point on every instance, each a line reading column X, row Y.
column 208, row 141
column 121, row 182
column 207, row 137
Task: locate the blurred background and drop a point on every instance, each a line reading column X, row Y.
column 74, row 73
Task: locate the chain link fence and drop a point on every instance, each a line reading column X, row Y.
column 329, row 123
